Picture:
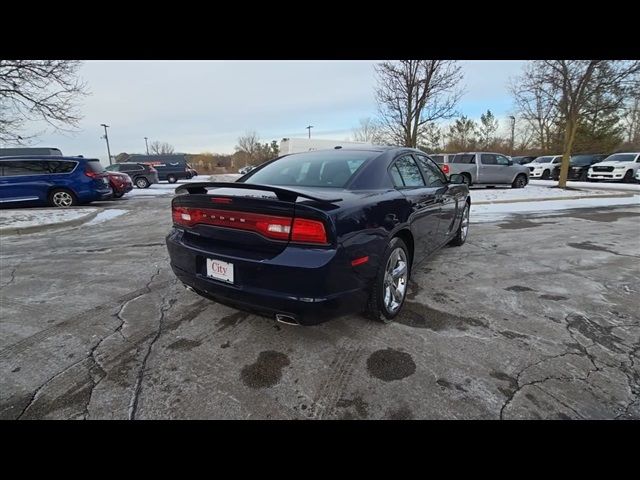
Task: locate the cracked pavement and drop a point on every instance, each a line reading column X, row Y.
column 94, row 325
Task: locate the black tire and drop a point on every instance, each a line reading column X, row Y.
column 142, row 182
column 62, row 198
column 461, row 235
column 376, row 308
column 628, row 177
column 583, row 176
column 467, row 179
column 118, row 194
column 520, row 181
column 546, row 175
column 172, row 178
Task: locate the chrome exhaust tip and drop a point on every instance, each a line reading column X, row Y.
column 287, row 319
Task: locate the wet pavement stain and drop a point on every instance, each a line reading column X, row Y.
column 602, row 216
column 556, row 298
column 447, row 385
column 226, row 344
column 362, row 407
column 402, row 413
column 232, row 320
column 518, row 224
column 595, row 332
column 591, row 246
column 389, row 365
column 414, row 289
column 420, row 316
column 17, row 369
column 266, row 371
column 513, row 383
column 511, row 335
column 519, row 288
column 184, row 344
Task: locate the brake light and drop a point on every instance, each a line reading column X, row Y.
column 308, row 231
column 445, row 168
column 90, row 173
column 270, row 226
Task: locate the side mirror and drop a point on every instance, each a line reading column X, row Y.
column 456, row 179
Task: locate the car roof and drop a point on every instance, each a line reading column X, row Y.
column 48, row 157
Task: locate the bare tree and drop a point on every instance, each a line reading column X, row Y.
column 580, row 83
column 38, row 90
column 248, row 146
column 161, row 148
column 487, row 128
column 537, row 105
column 369, row 131
column 432, row 139
column 412, row 93
column 631, row 119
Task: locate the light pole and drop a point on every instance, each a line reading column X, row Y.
column 147, row 144
column 513, row 131
column 106, row 137
column 309, row 128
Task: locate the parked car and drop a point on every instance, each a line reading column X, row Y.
column 143, row 175
column 578, row 166
column 638, row 175
column 522, row 160
column 171, row 168
column 246, row 169
column 313, row 235
column 120, row 183
column 486, row 168
column 619, row 166
column 56, row 181
column 542, row 167
column 442, row 159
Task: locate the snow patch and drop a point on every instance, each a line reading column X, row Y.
column 499, row 211
column 106, row 215
column 30, row 217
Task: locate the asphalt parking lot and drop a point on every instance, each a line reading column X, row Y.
column 533, row 317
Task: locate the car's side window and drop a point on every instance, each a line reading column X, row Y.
column 13, row 169
column 395, row 176
column 488, row 159
column 501, row 160
column 409, row 172
column 432, row 173
column 60, row 166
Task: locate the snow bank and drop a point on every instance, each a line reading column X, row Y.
column 533, row 192
column 36, row 218
column 498, row 211
column 625, row 187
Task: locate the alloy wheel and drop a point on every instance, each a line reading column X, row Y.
column 395, row 280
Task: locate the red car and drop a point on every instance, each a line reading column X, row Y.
column 120, row 183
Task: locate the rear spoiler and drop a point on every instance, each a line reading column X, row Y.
column 284, row 194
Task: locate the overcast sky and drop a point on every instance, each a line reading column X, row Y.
column 199, row 106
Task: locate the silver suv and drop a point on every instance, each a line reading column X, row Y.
column 488, row 168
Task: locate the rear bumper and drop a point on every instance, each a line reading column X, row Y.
column 269, row 287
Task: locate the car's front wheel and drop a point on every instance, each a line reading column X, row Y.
column 62, row 198
column 390, row 289
column 628, row 176
column 172, row 178
column 520, row 181
column 142, row 182
column 546, row 175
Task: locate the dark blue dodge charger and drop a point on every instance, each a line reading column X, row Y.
column 314, row 235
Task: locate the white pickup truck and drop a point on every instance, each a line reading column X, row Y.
column 619, row 166
column 487, row 168
column 542, row 167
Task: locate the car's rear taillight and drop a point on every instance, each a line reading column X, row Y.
column 308, row 231
column 90, row 173
column 445, row 168
column 274, row 227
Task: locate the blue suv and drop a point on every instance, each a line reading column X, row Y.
column 52, row 180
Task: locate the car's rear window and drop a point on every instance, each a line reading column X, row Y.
column 95, row 166
column 331, row 168
column 464, row 158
